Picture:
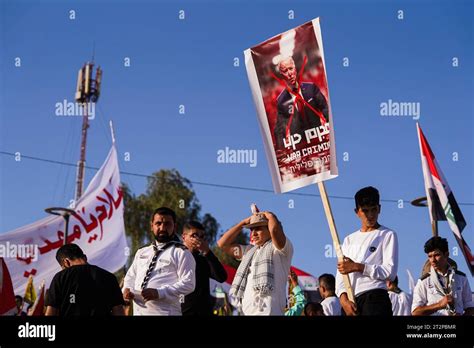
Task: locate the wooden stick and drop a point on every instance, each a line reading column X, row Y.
column 335, row 238
column 434, row 228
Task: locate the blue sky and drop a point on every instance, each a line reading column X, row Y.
column 190, row 62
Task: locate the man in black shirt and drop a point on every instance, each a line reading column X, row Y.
column 81, row 289
column 207, row 266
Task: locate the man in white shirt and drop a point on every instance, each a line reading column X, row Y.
column 259, row 286
column 401, row 301
column 444, row 290
column 163, row 273
column 370, row 258
column 330, row 302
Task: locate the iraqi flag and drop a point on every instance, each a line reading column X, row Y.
column 441, row 202
column 306, row 281
column 218, row 289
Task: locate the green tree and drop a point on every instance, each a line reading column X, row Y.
column 135, row 219
column 242, row 238
column 164, row 188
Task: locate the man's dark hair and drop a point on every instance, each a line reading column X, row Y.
column 368, row 196
column 70, row 251
column 164, row 211
column 19, row 298
column 193, row 224
column 436, row 243
column 313, row 307
column 328, row 281
column 395, row 281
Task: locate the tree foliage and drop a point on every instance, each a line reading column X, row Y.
column 242, row 238
column 164, row 188
column 168, row 188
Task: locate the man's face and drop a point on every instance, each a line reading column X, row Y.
column 368, row 215
column 191, row 235
column 251, row 240
column 438, row 259
column 321, row 290
column 162, row 227
column 259, row 235
column 288, row 71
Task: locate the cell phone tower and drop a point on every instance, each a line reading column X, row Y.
column 87, row 91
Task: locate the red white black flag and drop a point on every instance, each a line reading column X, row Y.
column 441, row 202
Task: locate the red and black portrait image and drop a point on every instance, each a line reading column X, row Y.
column 292, row 81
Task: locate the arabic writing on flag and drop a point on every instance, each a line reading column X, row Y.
column 96, row 226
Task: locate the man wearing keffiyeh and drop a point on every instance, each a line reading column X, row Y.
column 444, row 290
column 259, row 286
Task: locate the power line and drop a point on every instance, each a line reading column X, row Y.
column 233, row 187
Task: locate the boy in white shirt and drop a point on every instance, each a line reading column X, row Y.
column 327, row 287
column 370, row 258
column 401, row 301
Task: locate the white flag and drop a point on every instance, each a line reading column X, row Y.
column 97, row 227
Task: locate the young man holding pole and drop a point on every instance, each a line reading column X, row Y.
column 370, row 258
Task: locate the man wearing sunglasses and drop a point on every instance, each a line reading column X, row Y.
column 207, row 266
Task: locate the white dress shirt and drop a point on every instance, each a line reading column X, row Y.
column 173, row 277
column 426, row 294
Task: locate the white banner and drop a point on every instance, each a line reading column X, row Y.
column 97, row 227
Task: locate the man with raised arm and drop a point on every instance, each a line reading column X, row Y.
column 259, row 286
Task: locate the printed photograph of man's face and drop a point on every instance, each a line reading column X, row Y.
column 293, row 86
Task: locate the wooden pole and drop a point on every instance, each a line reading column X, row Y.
column 434, row 228
column 335, row 238
column 427, row 265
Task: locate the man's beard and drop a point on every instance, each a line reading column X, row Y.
column 163, row 238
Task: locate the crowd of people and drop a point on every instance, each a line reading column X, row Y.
column 170, row 276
